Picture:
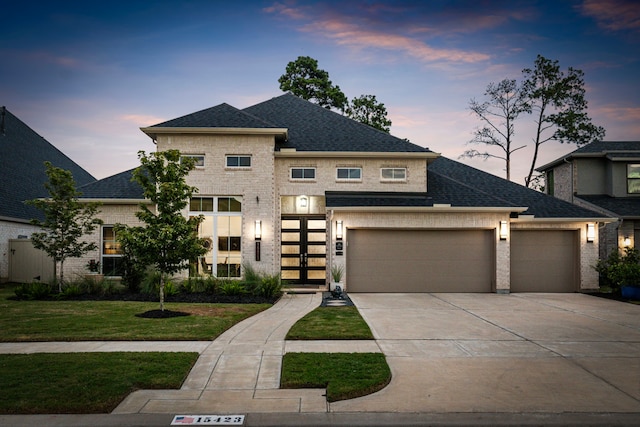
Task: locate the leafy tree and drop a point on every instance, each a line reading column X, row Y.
column 66, row 220
column 557, row 101
column 366, row 109
column 168, row 240
column 303, row 78
column 505, row 102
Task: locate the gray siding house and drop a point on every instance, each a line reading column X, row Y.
column 603, row 176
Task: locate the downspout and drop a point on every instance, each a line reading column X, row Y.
column 330, row 251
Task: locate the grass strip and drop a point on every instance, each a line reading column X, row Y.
column 331, row 323
column 344, row 375
column 84, row 383
column 114, row 320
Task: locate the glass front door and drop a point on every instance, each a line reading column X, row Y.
column 304, row 249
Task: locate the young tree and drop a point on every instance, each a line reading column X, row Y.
column 66, row 220
column 168, row 240
column 506, row 101
column 303, row 78
column 366, row 109
column 558, row 103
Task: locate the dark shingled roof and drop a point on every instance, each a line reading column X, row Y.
column 314, row 128
column 627, row 207
column 486, row 185
column 22, row 172
column 223, row 115
column 119, row 186
column 609, row 149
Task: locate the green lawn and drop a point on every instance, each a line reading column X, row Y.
column 114, row 320
column 331, row 323
column 61, row 383
column 345, row 375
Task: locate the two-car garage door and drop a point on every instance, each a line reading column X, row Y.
column 383, row 260
column 386, row 260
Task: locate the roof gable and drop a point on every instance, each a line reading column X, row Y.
column 609, row 149
column 222, row 116
column 22, row 171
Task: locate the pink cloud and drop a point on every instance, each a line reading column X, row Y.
column 613, row 15
column 355, row 32
column 49, row 58
column 142, row 120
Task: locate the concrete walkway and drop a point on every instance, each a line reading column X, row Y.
column 240, row 370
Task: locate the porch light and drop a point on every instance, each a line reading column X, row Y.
column 303, row 201
column 627, row 242
column 503, row 230
column 591, row 233
column 339, row 230
column 258, row 229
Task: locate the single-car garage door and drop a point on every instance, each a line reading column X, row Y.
column 383, row 260
column 544, row 261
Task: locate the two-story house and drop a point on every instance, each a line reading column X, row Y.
column 603, row 176
column 292, row 188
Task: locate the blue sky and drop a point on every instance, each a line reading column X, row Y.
column 86, row 75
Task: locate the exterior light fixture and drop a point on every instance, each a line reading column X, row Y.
column 503, row 230
column 591, row 233
column 303, row 201
column 339, row 230
column 258, row 229
column 258, row 236
column 627, row 242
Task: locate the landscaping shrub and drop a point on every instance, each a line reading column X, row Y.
column 232, row 288
column 270, row 286
column 33, row 291
column 620, row 270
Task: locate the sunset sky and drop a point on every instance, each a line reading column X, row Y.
column 86, row 75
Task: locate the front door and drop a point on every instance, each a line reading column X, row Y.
column 304, row 249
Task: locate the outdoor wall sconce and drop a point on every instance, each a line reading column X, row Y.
column 303, row 201
column 339, row 230
column 503, row 230
column 627, row 242
column 591, row 233
column 258, row 237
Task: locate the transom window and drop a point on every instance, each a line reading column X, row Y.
column 234, row 161
column 198, row 159
column 303, row 173
column 393, row 174
column 221, row 204
column 633, row 179
column 349, row 174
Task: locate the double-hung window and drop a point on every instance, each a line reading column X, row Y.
column 349, row 174
column 237, row 161
column 633, row 178
column 303, row 173
column 393, row 174
column 111, row 253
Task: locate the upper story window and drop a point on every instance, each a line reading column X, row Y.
column 349, row 174
column 198, row 159
column 393, row 174
column 303, row 173
column 234, row 161
column 221, row 204
column 633, row 179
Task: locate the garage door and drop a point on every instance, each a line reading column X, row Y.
column 420, row 261
column 544, row 261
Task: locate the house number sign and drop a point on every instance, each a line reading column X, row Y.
column 208, row 420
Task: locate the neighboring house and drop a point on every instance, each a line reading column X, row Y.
column 293, row 188
column 603, row 176
column 22, row 177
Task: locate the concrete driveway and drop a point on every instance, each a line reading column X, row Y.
column 547, row 353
